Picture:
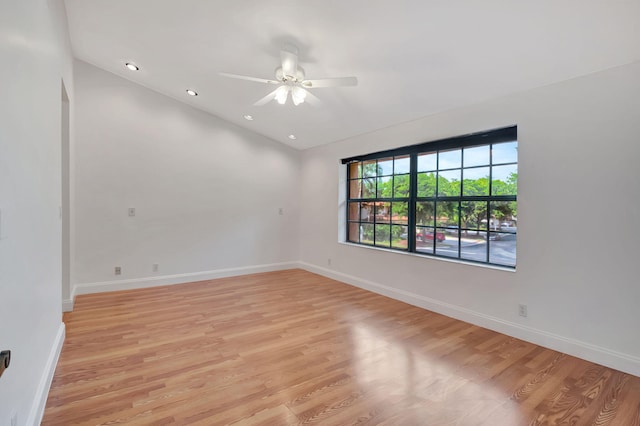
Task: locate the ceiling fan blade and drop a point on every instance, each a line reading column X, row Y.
column 289, row 57
column 244, row 77
column 330, row 82
column 271, row 96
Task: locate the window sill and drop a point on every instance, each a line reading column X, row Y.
column 422, row 256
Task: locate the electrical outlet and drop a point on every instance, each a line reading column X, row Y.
column 118, row 270
column 280, row 211
column 155, row 267
column 329, row 261
column 132, row 211
column 522, row 310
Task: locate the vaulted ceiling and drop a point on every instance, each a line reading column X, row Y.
column 412, row 58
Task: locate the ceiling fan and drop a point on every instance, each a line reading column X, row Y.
column 290, row 79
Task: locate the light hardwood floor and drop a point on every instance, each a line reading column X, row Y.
column 291, row 347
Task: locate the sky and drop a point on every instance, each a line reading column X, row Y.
column 506, row 152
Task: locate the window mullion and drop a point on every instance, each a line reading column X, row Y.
column 488, row 218
column 413, row 191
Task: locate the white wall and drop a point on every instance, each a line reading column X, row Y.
column 207, row 193
column 36, row 59
column 578, row 220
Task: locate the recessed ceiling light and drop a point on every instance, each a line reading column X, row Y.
column 248, row 117
column 192, row 92
column 132, row 66
column 292, row 137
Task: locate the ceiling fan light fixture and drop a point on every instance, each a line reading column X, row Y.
column 192, row 92
column 132, row 66
column 281, row 94
column 298, row 94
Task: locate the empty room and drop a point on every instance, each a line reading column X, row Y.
column 334, row 213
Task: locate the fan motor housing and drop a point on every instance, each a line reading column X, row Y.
column 284, row 78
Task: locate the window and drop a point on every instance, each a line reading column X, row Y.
column 453, row 198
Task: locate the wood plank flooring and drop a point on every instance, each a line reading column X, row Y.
column 291, row 347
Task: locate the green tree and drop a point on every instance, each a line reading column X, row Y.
column 426, row 184
column 471, row 215
column 448, row 188
column 370, row 170
column 508, row 209
column 447, row 212
column 472, row 212
column 424, row 213
column 401, row 186
column 504, row 210
column 510, row 187
column 478, row 186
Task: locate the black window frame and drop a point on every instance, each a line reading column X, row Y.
column 485, row 138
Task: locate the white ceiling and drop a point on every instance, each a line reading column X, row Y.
column 412, row 58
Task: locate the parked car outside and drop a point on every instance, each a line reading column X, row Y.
column 424, row 236
column 505, row 227
column 452, row 229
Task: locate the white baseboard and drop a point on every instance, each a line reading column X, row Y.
column 40, row 400
column 616, row 360
column 67, row 305
column 104, row 286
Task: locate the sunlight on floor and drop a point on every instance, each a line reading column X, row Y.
column 427, row 381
